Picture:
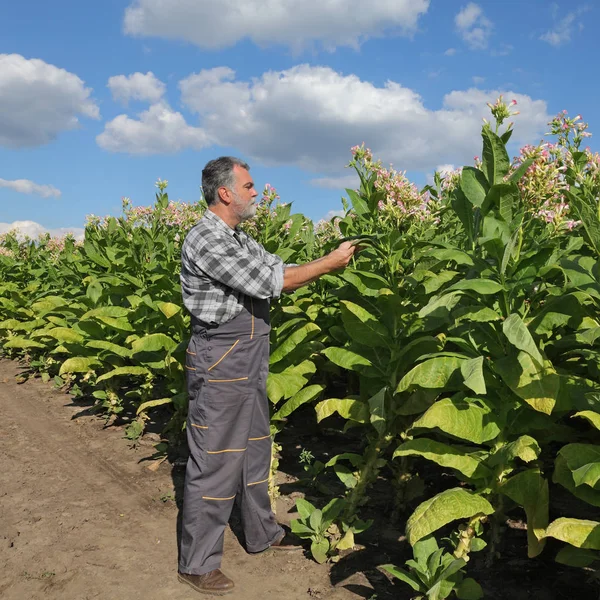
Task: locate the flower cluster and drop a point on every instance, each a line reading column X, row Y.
column 327, row 231
column 564, row 127
column 402, row 198
column 502, row 111
column 451, row 179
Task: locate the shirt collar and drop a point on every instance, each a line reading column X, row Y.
column 218, row 222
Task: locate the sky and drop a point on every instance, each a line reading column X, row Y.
column 100, row 99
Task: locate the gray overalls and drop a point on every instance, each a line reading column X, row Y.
column 228, row 437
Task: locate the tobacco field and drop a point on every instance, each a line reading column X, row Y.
column 458, row 354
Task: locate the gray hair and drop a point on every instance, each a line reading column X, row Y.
column 219, row 173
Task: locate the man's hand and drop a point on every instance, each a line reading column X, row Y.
column 340, row 257
column 295, row 277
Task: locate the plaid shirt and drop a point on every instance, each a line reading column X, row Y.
column 221, row 265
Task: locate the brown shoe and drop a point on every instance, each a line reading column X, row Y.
column 215, row 582
column 288, row 541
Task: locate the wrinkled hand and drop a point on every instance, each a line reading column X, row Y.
column 340, row 257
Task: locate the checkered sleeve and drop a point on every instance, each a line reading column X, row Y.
column 241, row 268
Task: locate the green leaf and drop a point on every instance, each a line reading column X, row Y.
column 518, row 335
column 346, row 476
column 153, row 342
column 475, row 314
column 308, row 394
column 304, row 508
column 110, row 347
column 362, row 326
column 583, row 461
column 316, row 519
column 404, row 576
column 79, row 364
column 65, row 335
column 463, row 418
column 592, row 417
column 495, row 160
column 436, row 373
column 577, row 532
column 480, row 286
column 378, row 411
column 474, row 185
column 353, row 410
column 521, row 170
column 290, row 381
column 445, row 456
column 525, row 447
column 451, row 254
column 563, row 476
column 472, row 371
column 539, row 387
column 530, row 490
column 119, row 371
column 576, row 557
column 152, row 403
column 115, row 312
column 20, row 343
column 118, row 324
column 94, row 291
column 168, row 309
column 346, row 359
column 469, row 589
column 319, row 550
column 448, row 506
column 301, row 335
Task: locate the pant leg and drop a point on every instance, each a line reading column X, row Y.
column 258, row 521
column 218, row 428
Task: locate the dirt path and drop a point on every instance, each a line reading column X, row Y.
column 81, row 517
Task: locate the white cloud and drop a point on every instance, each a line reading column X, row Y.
column 294, row 23
column 136, row 86
column 34, row 230
column 159, row 130
column 450, row 52
column 25, row 186
column 310, row 117
column 38, row 101
column 474, row 28
column 337, row 183
column 563, row 30
column 333, row 213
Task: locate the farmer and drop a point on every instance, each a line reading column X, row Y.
column 227, row 281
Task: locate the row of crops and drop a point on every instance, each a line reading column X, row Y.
column 464, row 335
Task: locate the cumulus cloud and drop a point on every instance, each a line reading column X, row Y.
column 25, row 186
column 563, row 29
column 310, row 117
column 38, row 101
column 136, row 86
column 474, row 28
column 159, row 130
column 34, row 230
column 342, row 182
column 294, row 23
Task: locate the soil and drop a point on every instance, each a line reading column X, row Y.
column 82, row 516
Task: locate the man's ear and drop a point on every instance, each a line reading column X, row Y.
column 224, row 195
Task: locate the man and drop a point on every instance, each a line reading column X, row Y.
column 227, row 281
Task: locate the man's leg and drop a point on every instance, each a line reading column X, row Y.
column 258, row 521
column 219, row 418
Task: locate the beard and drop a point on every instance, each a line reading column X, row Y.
column 242, row 210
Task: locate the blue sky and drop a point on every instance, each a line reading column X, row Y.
column 99, row 99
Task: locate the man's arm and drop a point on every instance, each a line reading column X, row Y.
column 296, row 277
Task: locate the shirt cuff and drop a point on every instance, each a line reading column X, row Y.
column 277, row 279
